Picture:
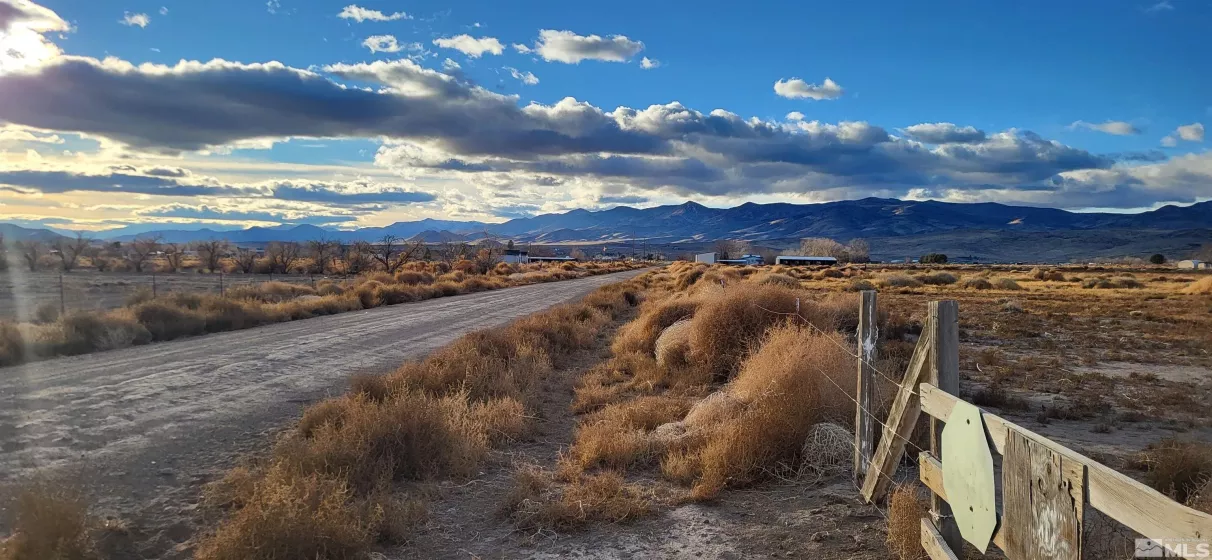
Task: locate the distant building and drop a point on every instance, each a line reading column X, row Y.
column 515, row 256
column 1192, row 264
column 708, row 258
column 796, row 260
column 745, row 260
column 552, row 259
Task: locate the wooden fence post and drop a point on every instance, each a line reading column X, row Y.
column 944, row 374
column 864, row 424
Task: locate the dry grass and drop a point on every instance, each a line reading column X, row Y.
column 1203, row 286
column 537, row 501
column 1177, row 468
column 898, row 281
column 726, row 327
column 1105, row 283
column 776, row 279
column 1006, row 284
column 938, row 278
column 51, row 523
column 783, row 390
column 906, row 508
column 617, row 436
column 641, row 334
column 976, row 283
column 325, row 491
column 12, row 344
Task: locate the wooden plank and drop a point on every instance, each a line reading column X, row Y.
column 1043, row 502
column 864, row 423
column 1140, row 508
column 933, row 543
column 930, row 471
column 943, row 317
column 902, row 419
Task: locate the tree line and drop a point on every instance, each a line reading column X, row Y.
column 318, row 256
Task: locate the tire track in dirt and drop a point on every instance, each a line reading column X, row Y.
column 142, row 428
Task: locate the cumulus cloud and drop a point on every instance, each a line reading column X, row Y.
column 360, row 14
column 796, row 88
column 471, row 46
column 570, row 48
column 944, row 133
column 1193, row 132
column 22, row 25
column 437, row 125
column 527, row 78
column 133, row 20
column 649, row 63
column 382, row 43
column 13, row 135
column 293, row 215
column 1118, row 128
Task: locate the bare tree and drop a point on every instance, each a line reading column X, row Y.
column 31, row 251
column 356, row 257
column 822, row 247
column 487, row 258
column 142, row 249
column 579, row 255
column 322, row 253
column 452, row 252
column 173, row 255
column 731, row 248
column 70, row 250
column 392, row 252
column 858, row 251
column 212, row 252
column 283, row 255
column 246, row 259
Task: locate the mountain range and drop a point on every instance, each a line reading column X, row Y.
column 776, row 225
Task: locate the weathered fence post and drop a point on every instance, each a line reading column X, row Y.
column 864, row 424
column 153, row 283
column 222, row 291
column 62, row 296
column 944, row 374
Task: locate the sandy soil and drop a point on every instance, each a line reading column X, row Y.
column 144, row 428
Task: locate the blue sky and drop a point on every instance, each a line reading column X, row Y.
column 1080, row 105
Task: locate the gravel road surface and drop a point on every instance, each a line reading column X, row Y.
column 143, row 428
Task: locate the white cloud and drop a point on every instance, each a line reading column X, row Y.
column 10, row 135
column 525, row 77
column 649, row 63
column 522, row 48
column 471, row 46
column 796, row 88
column 163, row 10
column 795, row 116
column 449, row 65
column 382, row 43
column 133, row 20
column 570, row 48
column 1118, row 128
column 360, row 14
column 1163, row 6
column 1193, row 132
column 272, row 6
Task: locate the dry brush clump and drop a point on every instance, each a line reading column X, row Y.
column 1203, row 286
column 538, row 500
column 51, row 522
column 906, row 508
column 797, row 378
column 326, row 490
column 1180, row 469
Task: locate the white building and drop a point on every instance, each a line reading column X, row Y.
column 708, row 258
column 1192, row 264
column 746, row 260
column 797, row 260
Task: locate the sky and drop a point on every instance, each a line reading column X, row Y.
column 239, row 113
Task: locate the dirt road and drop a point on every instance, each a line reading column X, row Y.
column 144, row 427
